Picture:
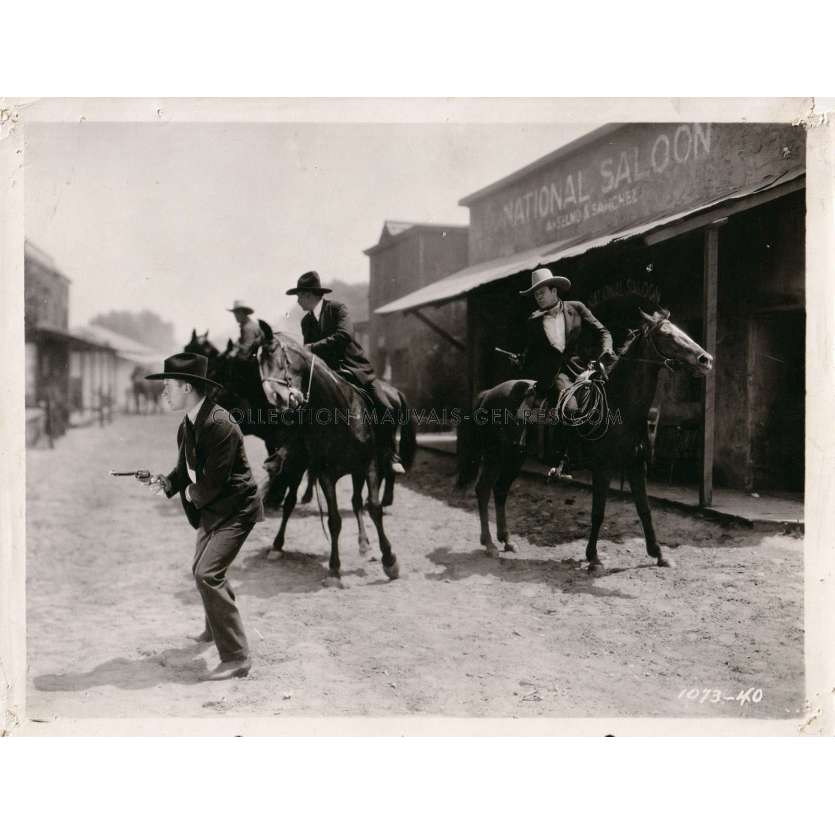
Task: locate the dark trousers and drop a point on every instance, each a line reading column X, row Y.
column 213, row 555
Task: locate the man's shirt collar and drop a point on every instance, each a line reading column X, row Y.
column 192, row 414
column 317, row 311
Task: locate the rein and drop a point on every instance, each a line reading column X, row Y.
column 286, row 381
column 668, row 362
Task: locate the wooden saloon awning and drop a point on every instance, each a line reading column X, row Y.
column 460, row 283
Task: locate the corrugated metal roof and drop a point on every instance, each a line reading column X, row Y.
column 477, row 275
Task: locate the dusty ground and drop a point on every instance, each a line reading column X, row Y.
column 111, row 599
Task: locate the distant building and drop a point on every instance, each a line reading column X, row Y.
column 50, row 347
column 129, row 357
column 422, row 354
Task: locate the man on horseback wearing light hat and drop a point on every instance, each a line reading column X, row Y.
column 328, row 333
column 552, row 332
column 251, row 335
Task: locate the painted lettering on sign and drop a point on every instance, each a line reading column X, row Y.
column 610, row 184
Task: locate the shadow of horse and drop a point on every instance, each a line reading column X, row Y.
column 180, row 666
column 567, row 575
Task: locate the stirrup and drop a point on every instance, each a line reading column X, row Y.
column 557, row 474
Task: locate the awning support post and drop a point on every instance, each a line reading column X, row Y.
column 437, row 328
column 710, row 287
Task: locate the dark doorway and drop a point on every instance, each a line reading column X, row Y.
column 778, row 383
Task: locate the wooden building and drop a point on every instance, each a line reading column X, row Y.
column 421, row 353
column 52, row 349
column 707, row 219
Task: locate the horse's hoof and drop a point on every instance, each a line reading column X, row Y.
column 666, row 562
column 595, row 566
column 492, row 550
column 275, row 554
column 393, row 570
column 511, row 546
column 364, row 547
column 331, row 582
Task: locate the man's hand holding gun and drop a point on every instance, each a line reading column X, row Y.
column 157, row 483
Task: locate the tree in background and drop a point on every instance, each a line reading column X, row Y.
column 144, row 326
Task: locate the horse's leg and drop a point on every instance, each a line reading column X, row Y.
column 487, row 475
column 334, row 524
column 601, row 476
column 500, row 493
column 356, row 504
column 637, row 473
column 388, row 489
column 308, row 493
column 287, row 509
column 375, row 510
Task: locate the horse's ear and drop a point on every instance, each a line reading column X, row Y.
column 646, row 317
column 229, row 345
column 193, row 335
column 665, row 313
column 266, row 330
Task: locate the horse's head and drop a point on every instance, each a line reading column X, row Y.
column 673, row 345
column 284, row 371
column 199, row 344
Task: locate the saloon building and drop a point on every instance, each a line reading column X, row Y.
column 705, row 219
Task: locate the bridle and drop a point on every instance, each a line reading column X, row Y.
column 668, row 362
column 286, row 381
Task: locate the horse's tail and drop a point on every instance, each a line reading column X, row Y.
column 408, row 434
column 469, row 448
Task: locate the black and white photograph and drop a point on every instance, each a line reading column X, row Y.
column 386, row 412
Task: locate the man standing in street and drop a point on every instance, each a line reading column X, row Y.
column 220, row 498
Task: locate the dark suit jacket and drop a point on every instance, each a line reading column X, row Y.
column 541, row 361
column 332, row 339
column 224, row 484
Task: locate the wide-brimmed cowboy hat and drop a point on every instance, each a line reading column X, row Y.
column 311, row 282
column 543, row 277
column 188, row 367
column 240, row 305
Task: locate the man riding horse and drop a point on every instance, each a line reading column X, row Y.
column 327, row 332
column 251, row 337
column 552, row 332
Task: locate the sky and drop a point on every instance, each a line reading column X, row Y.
column 182, row 219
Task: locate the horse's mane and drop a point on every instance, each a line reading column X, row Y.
column 622, row 316
column 324, row 376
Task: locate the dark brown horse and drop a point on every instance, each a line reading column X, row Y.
column 491, row 451
column 338, row 438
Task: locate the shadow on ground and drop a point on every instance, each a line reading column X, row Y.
column 555, row 514
column 569, row 576
column 181, row 665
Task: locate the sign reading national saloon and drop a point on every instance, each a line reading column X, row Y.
column 625, row 176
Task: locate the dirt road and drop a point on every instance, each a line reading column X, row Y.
column 111, row 599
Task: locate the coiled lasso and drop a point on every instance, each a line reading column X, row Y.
column 591, row 418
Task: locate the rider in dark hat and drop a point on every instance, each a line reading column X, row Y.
column 328, row 333
column 553, row 331
column 219, row 496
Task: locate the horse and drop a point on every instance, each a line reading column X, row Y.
column 336, row 439
column 149, row 391
column 241, row 391
column 492, row 453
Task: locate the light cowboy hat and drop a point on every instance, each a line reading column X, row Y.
column 187, row 367
column 543, row 277
column 240, row 305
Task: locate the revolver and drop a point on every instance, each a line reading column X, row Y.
column 140, row 474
